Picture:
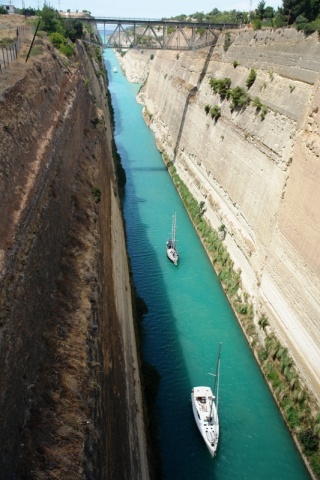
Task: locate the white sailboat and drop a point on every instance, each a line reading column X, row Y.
column 172, row 251
column 205, row 411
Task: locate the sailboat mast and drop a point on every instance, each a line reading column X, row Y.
column 174, row 230
column 216, row 381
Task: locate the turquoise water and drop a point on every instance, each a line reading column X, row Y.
column 188, row 316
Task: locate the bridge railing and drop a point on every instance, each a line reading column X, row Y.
column 156, row 21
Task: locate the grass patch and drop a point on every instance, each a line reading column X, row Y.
column 36, row 50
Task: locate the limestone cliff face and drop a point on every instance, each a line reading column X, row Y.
column 259, row 177
column 136, row 66
column 67, row 346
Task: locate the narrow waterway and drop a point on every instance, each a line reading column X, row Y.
column 188, row 315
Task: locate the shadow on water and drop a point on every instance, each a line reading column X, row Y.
column 155, row 295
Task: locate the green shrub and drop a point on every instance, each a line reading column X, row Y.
column 251, row 78
column 264, row 111
column 67, row 49
column 309, row 441
column 98, row 53
column 240, row 98
column 301, row 19
column 310, row 27
column 207, row 109
column 215, row 112
column 202, row 207
column 220, row 86
column 273, row 376
column 315, row 464
column 257, row 24
column 5, row 41
column 57, row 39
column 279, row 21
column 263, row 321
column 227, row 41
column 243, row 309
column 60, row 42
column 235, row 64
column 257, row 103
column 96, row 192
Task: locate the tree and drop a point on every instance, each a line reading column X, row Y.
column 3, row 11
column 294, row 8
column 260, row 9
column 48, row 19
column 74, row 29
column 314, row 9
column 199, row 16
column 279, row 19
column 269, row 12
column 29, row 12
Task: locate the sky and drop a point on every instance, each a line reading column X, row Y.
column 149, row 9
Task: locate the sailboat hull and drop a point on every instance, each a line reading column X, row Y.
column 206, row 416
column 172, row 253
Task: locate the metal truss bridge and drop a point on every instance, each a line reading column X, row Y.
column 158, row 34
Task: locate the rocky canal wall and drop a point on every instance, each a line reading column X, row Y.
column 70, row 399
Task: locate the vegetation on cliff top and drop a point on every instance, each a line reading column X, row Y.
column 62, row 32
column 304, row 15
